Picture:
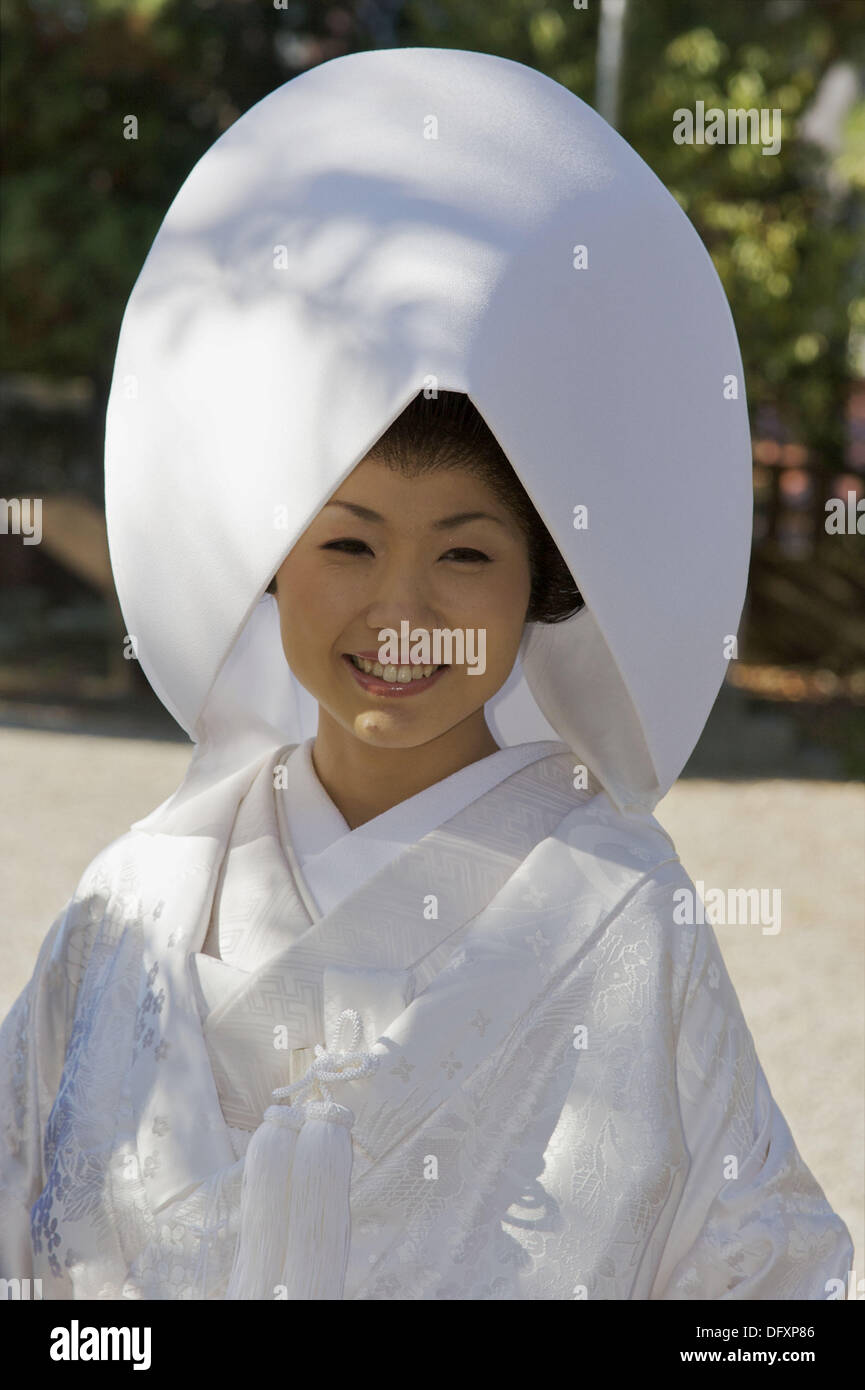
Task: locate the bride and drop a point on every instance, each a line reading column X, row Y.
column 390, row 1000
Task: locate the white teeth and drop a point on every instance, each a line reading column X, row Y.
column 395, row 674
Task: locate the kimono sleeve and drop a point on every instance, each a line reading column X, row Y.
column 752, row 1222
column 33, row 1041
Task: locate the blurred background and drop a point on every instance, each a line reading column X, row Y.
column 773, row 794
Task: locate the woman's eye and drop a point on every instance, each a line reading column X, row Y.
column 338, row 545
column 352, row 546
column 469, row 555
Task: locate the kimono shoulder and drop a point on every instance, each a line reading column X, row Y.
column 599, row 828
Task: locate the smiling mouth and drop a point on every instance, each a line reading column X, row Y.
column 394, row 675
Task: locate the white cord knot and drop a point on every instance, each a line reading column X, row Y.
column 295, row 1224
column 335, row 1064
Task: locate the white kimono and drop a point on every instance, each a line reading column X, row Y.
column 565, row 1074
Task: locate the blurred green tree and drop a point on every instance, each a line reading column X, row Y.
column 82, row 201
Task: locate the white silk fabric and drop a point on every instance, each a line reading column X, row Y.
column 564, row 1072
column 333, row 859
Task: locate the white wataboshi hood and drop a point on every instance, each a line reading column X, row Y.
column 388, row 220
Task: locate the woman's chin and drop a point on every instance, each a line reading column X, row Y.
column 383, row 729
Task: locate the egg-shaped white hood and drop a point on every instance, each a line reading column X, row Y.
column 405, row 217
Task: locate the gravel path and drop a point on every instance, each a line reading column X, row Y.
column 67, row 796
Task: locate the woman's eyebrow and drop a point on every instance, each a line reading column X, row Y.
column 456, row 520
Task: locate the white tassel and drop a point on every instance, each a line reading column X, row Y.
column 264, row 1203
column 319, row 1217
column 295, row 1222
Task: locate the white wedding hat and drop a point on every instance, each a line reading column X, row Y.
column 405, row 218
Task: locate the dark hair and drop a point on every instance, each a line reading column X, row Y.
column 447, row 431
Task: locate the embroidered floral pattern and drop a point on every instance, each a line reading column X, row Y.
column 557, row 1170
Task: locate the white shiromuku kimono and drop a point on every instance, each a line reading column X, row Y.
column 564, row 1073
column 503, row 1066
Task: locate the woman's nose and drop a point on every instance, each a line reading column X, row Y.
column 402, row 595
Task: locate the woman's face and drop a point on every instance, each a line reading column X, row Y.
column 387, row 550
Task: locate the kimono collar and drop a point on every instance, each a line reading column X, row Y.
column 411, row 219
column 331, row 856
column 373, row 950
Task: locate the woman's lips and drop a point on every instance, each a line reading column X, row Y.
column 376, row 685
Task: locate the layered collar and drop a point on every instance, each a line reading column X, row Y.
column 439, row 953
